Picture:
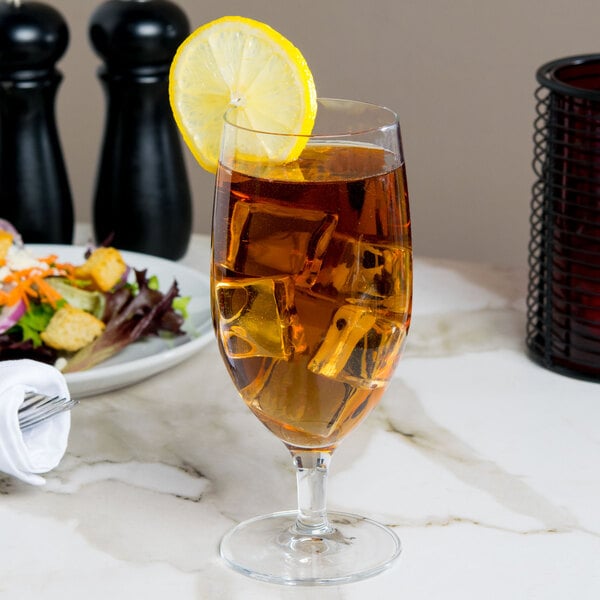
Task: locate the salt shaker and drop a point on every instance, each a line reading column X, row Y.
column 142, row 199
column 34, row 188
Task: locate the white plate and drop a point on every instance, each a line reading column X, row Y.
column 151, row 355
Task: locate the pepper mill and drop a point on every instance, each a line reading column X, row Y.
column 34, row 189
column 142, row 199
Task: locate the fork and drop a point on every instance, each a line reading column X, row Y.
column 37, row 408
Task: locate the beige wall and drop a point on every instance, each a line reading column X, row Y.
column 460, row 73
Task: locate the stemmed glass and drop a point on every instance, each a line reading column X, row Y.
column 311, row 300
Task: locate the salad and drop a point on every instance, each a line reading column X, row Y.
column 75, row 316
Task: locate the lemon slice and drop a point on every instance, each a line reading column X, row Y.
column 241, row 64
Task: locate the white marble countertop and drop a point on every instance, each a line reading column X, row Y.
column 486, row 465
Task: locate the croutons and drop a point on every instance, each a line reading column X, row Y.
column 6, row 240
column 71, row 329
column 104, row 268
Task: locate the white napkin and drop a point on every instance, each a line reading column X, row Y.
column 38, row 449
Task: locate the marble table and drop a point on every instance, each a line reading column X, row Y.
column 487, row 466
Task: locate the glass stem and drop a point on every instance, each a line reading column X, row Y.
column 311, row 474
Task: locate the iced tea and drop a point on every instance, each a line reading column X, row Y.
column 312, row 284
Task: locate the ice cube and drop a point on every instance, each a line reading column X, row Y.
column 367, row 273
column 257, row 317
column 261, row 377
column 268, row 239
column 361, row 347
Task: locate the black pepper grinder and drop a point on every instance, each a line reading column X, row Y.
column 34, row 188
column 142, row 199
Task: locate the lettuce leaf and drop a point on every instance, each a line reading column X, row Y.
column 90, row 301
column 130, row 313
column 34, row 321
column 12, row 347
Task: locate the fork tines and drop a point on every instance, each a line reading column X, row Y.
column 39, row 407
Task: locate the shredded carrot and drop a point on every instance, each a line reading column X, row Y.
column 68, row 270
column 27, row 284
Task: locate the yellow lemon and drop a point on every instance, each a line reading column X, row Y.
column 244, row 65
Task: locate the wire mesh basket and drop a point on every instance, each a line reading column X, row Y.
column 563, row 297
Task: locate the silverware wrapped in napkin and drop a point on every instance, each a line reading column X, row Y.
column 27, row 452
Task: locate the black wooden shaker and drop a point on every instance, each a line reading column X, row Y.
column 142, row 199
column 34, row 188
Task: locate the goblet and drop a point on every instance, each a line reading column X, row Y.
column 311, row 299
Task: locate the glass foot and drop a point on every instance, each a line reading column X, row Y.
column 269, row 548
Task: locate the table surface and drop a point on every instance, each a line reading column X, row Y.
column 486, row 465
